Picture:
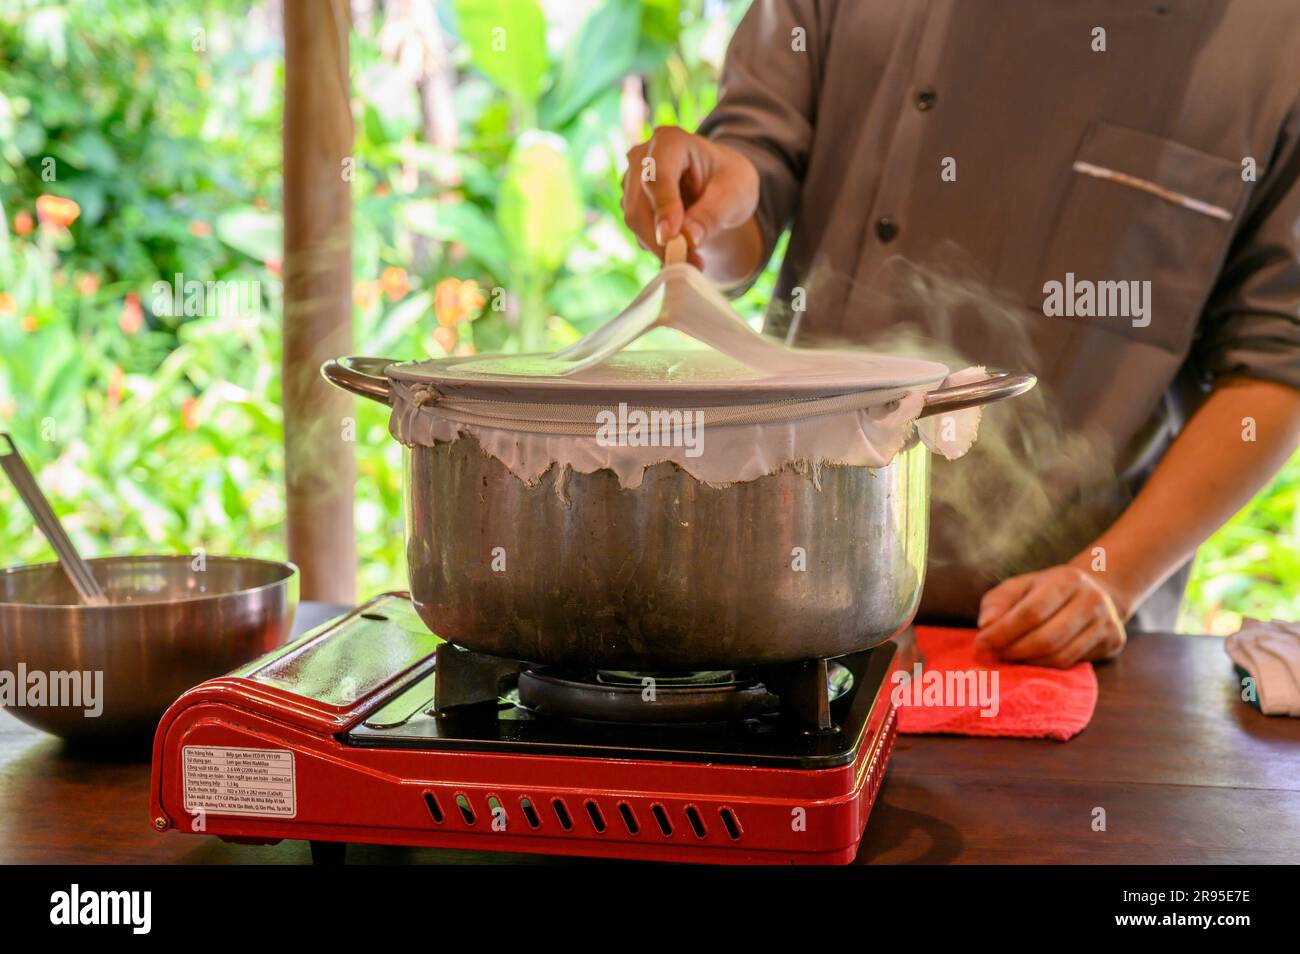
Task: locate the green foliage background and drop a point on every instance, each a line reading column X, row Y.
column 164, row 128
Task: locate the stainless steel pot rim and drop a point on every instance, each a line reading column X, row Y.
column 891, row 372
column 290, row 570
column 373, row 378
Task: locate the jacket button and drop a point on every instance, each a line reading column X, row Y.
column 887, row 229
column 925, row 99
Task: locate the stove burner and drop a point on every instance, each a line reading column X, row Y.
column 649, row 698
column 657, row 697
column 702, row 678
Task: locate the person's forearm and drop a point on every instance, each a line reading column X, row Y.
column 1211, row 471
column 733, row 256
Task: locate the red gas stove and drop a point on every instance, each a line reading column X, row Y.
column 371, row 729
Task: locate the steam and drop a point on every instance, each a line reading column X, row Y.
column 1031, row 493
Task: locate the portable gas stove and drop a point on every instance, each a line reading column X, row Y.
column 371, row 729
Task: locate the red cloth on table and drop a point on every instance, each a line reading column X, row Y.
column 1033, row 702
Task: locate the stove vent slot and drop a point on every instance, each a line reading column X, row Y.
column 730, row 823
column 530, row 813
column 629, row 819
column 562, row 814
column 697, row 823
column 661, row 816
column 597, row 819
column 497, row 810
column 435, row 810
column 466, row 812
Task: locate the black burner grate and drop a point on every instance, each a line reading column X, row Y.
column 445, row 715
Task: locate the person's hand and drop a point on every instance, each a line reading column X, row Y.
column 678, row 183
column 1054, row 617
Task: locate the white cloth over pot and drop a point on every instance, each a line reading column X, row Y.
column 749, row 408
column 528, row 440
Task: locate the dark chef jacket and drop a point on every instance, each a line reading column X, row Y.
column 1170, row 156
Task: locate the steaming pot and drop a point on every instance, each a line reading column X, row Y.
column 673, row 574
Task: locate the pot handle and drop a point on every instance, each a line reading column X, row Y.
column 361, row 376
column 998, row 385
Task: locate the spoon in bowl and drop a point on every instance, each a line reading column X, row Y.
column 77, row 569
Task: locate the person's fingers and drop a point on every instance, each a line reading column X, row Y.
column 1078, row 612
column 1047, row 594
column 636, row 207
column 1002, row 597
column 669, row 155
column 630, row 192
column 641, row 224
column 1110, row 643
column 1081, row 646
column 721, row 206
column 677, row 183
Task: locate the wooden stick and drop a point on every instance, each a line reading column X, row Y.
column 320, row 471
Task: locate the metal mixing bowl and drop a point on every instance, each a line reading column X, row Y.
column 168, row 627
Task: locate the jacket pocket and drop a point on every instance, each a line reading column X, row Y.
column 1139, row 209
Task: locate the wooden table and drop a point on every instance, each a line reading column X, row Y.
column 1184, row 771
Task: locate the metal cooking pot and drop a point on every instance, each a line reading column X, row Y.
column 674, row 574
column 167, row 627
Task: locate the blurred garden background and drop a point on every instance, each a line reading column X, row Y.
column 141, row 142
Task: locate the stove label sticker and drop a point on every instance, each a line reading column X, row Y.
column 226, row 781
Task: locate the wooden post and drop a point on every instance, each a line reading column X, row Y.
column 320, row 470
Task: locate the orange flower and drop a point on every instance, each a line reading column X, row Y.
column 272, row 265
column 131, row 319
column 446, row 338
column 116, row 378
column 6, row 303
column 87, row 283
column 23, row 223
column 365, row 294
column 395, row 283
column 455, row 301
column 200, row 229
column 190, row 413
column 56, row 210
column 29, row 324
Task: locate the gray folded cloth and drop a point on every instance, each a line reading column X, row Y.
column 1270, row 652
